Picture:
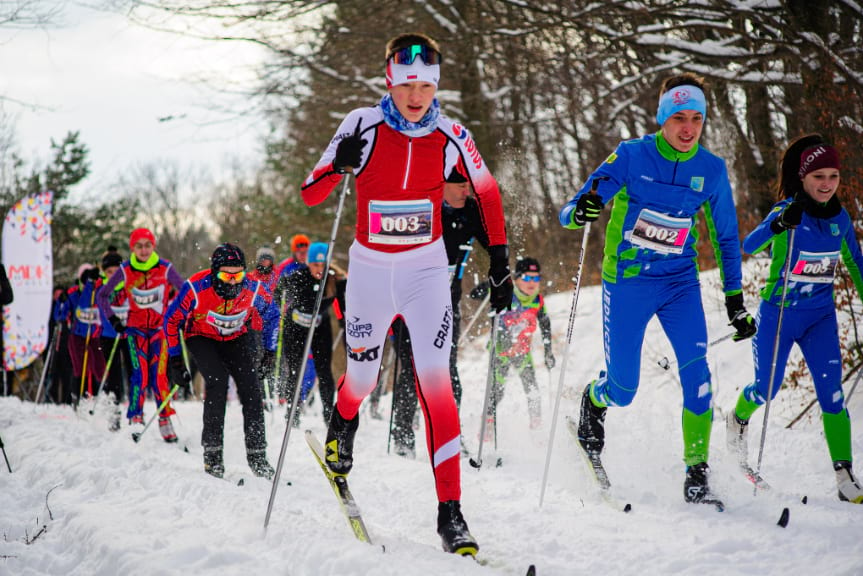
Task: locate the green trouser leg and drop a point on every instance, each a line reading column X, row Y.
column 696, row 436
column 837, row 430
column 745, row 408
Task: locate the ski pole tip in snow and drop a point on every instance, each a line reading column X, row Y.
column 783, row 518
column 627, row 508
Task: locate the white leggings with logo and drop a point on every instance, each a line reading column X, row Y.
column 414, row 285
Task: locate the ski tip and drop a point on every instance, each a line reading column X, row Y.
column 186, row 449
column 241, row 482
column 627, row 508
column 475, row 464
column 383, row 548
column 499, row 463
column 783, row 519
column 288, row 483
column 805, row 499
column 531, row 570
column 136, row 436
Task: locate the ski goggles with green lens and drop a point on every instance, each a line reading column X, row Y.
column 408, row 54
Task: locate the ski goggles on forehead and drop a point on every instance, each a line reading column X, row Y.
column 408, row 54
column 531, row 277
column 231, row 276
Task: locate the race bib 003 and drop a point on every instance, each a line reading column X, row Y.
column 816, row 267
column 400, row 221
column 660, row 232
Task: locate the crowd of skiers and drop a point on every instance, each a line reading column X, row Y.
column 423, row 195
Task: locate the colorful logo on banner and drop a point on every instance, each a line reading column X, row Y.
column 27, row 255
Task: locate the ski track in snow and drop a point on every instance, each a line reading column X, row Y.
column 148, row 508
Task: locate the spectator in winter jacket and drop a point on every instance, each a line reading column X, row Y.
column 299, row 255
column 215, row 309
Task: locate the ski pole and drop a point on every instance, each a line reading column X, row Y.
column 579, row 274
column 476, row 314
column 3, row 448
column 86, row 351
column 289, row 417
column 775, row 352
column 488, row 391
column 398, row 351
column 48, row 359
column 136, row 436
column 105, row 374
column 187, row 365
column 665, row 364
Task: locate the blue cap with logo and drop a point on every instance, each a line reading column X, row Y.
column 317, row 252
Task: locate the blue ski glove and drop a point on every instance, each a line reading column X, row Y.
column 739, row 318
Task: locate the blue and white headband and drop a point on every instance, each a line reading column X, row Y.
column 680, row 98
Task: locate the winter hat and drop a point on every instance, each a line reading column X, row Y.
column 297, row 240
column 527, row 265
column 227, row 255
column 318, row 252
column 817, row 157
column 265, row 252
column 456, row 177
column 141, row 234
column 111, row 258
column 83, row 268
column 686, row 97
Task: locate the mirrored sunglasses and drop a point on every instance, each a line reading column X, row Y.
column 531, row 277
column 231, row 276
column 408, row 54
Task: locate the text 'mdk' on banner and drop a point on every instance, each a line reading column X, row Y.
column 30, row 267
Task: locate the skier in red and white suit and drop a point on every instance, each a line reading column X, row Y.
column 401, row 152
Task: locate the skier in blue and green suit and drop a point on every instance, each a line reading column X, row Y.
column 659, row 183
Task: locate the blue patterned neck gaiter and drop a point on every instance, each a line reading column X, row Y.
column 397, row 122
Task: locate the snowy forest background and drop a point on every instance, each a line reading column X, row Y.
column 547, row 89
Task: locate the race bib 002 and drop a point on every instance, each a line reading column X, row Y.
column 816, row 267
column 660, row 232
column 400, row 221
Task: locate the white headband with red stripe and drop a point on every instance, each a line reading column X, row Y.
column 417, row 71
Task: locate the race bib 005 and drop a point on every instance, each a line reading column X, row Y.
column 816, row 267
column 400, row 221
column 660, row 232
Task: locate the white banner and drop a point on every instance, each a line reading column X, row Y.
column 30, row 267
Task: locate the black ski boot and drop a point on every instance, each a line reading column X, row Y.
column 339, row 447
column 257, row 460
column 591, row 425
column 453, row 530
column 695, row 487
column 214, row 464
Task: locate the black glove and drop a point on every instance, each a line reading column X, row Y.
column 479, row 292
column 177, row 373
column 549, row 356
column 349, row 152
column 90, row 274
column 116, row 323
column 587, row 209
column 499, row 278
column 267, row 365
column 739, row 318
column 790, row 217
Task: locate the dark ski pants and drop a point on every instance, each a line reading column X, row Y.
column 114, row 383
column 217, row 360
column 322, row 353
column 95, row 368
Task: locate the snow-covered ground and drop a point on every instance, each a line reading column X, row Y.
column 120, row 508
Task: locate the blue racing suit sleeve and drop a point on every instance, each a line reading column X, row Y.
column 612, row 175
column 269, row 311
column 762, row 236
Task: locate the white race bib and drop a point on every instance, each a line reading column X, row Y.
column 815, row 267
column 400, row 221
column 149, row 299
column 87, row 315
column 660, row 232
column 226, row 323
